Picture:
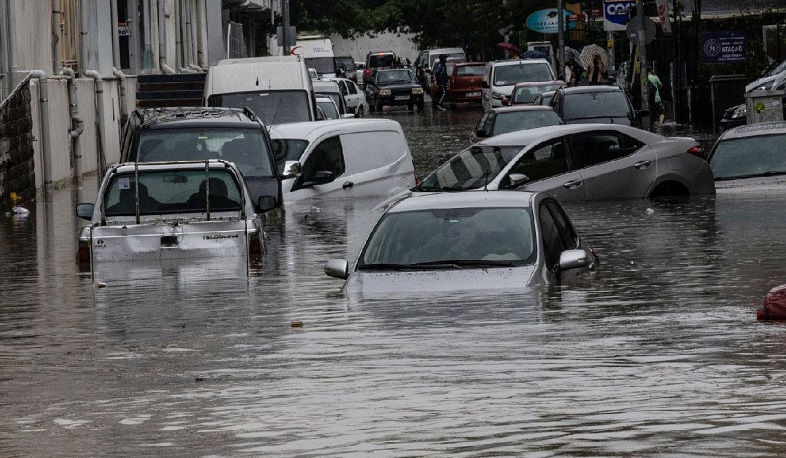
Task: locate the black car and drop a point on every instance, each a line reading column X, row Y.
column 198, row 133
column 596, row 104
column 378, row 60
column 394, row 86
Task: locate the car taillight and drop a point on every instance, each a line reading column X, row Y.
column 83, row 256
column 367, row 72
column 254, row 244
column 698, row 151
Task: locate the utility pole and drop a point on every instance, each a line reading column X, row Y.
column 285, row 26
column 561, row 37
column 645, row 88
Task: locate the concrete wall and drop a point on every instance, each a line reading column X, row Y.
column 33, row 19
column 358, row 47
column 17, row 166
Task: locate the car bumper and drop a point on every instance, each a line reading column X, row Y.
column 401, row 99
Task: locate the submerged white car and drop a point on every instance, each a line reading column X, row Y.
column 169, row 211
column 495, row 240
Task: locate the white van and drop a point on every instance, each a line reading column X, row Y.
column 317, row 53
column 343, row 158
column 500, row 76
column 277, row 89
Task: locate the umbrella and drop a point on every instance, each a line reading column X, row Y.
column 509, row 47
column 589, row 52
column 576, row 55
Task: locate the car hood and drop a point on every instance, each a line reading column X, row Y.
column 398, row 86
column 621, row 120
column 493, row 278
column 753, row 185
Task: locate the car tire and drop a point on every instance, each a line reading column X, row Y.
column 360, row 112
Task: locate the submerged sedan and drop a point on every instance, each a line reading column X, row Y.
column 750, row 158
column 450, row 242
column 169, row 211
column 579, row 162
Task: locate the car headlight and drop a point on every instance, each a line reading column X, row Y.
column 384, row 92
column 740, row 112
column 498, row 96
column 417, row 90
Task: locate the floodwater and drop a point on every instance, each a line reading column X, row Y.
column 660, row 355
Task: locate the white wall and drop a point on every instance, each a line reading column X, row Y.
column 358, row 47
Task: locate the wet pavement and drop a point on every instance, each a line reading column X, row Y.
column 660, row 355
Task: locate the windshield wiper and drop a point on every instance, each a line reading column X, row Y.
column 384, row 266
column 752, row 175
column 420, row 187
column 461, row 263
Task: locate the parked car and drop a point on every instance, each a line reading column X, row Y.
column 354, row 97
column 450, row 65
column 467, row 241
column 579, row 162
column 500, row 76
column 738, row 114
column 199, row 133
column 526, row 92
column 596, row 104
column 392, row 87
column 375, row 61
column 465, row 82
column 328, row 88
column 544, row 98
column 509, row 119
column 166, row 211
column 346, row 68
column 327, row 107
column 345, row 158
column 750, row 158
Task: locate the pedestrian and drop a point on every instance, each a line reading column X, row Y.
column 441, row 78
column 572, row 70
column 596, row 70
column 656, row 110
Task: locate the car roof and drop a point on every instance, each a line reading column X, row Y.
column 129, row 167
column 519, row 107
column 322, row 85
column 590, row 89
column 311, row 130
column 528, row 136
column 480, row 199
column 752, row 130
column 518, row 61
column 539, row 83
column 196, row 116
column 468, row 64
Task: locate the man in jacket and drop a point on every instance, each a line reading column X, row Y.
column 441, row 78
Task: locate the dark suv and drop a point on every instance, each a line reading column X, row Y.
column 199, row 133
column 600, row 104
column 378, row 60
column 394, row 86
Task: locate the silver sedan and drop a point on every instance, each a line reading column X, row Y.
column 498, row 240
column 579, row 162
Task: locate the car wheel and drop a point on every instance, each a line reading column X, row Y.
column 360, row 112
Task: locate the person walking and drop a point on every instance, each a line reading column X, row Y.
column 441, row 78
column 596, row 70
column 656, row 110
column 572, row 70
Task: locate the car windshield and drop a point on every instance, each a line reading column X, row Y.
column 172, row 191
column 507, row 75
column 448, row 55
column 380, row 60
column 761, row 155
column 527, row 94
column 335, row 96
column 347, row 62
column 451, row 238
column 470, row 70
column 396, row 76
column 287, row 149
column 322, row 65
column 272, row 107
column 243, row 146
column 596, row 105
column 519, row 120
column 329, row 108
column 472, row 168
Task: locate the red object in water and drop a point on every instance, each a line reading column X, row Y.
column 774, row 307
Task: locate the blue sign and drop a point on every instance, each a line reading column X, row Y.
column 616, row 14
column 547, row 21
column 728, row 47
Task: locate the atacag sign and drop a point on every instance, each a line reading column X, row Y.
column 726, row 47
column 547, row 21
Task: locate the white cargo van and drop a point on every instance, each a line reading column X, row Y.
column 277, row 89
column 343, row 158
column 317, row 53
column 500, row 76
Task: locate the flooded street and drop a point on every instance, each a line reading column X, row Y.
column 660, row 355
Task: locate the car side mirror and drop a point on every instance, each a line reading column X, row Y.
column 517, row 179
column 266, row 203
column 505, row 101
column 291, row 169
column 348, row 115
column 642, row 113
column 85, row 211
column 481, row 133
column 485, row 84
column 574, row 259
column 337, row 268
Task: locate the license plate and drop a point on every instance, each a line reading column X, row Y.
column 473, row 94
column 401, row 97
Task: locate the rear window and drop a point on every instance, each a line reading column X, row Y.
column 506, row 75
column 347, row 62
column 245, row 147
column 384, row 60
column 322, row 65
column 518, row 120
column 597, row 104
column 470, row 70
column 471, row 168
column 272, row 107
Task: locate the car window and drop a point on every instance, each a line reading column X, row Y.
column 505, row 75
column 543, row 161
column 351, row 87
column 503, row 235
column 384, row 60
column 472, row 168
column 272, row 107
column 510, row 121
column 246, row 147
column 596, row 104
column 327, row 156
column 746, row 157
column 287, row 149
column 393, row 76
column 469, row 70
column 328, row 108
column 557, row 233
column 591, row 148
column 527, row 94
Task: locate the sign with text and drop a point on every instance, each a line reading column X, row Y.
column 547, row 21
column 616, row 14
column 727, row 47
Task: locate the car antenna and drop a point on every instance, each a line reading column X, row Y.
column 486, row 179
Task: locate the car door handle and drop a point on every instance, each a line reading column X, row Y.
column 348, row 185
column 642, row 164
column 573, row 184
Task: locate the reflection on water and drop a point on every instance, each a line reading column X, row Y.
column 660, row 355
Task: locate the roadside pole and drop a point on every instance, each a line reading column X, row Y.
column 645, row 88
column 561, row 38
column 285, row 26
